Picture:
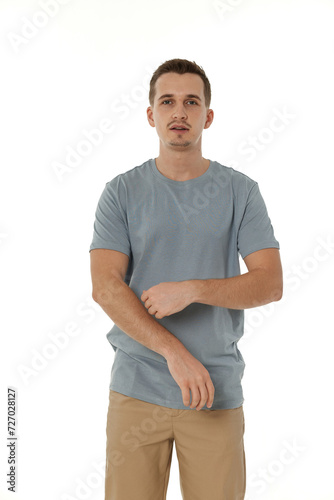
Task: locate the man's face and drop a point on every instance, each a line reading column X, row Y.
column 179, row 102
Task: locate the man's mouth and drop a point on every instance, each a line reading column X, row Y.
column 179, row 129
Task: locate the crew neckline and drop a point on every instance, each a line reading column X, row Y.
column 157, row 172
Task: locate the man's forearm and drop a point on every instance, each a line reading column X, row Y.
column 252, row 289
column 128, row 313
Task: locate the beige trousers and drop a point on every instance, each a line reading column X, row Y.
column 209, row 447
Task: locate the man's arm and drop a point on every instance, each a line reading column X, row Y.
column 263, row 283
column 108, row 268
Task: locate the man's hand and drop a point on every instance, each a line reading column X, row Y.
column 167, row 298
column 191, row 376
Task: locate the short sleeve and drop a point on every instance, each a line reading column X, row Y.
column 255, row 230
column 110, row 226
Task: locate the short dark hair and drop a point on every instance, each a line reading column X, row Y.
column 180, row 66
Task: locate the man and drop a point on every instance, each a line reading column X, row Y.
column 165, row 268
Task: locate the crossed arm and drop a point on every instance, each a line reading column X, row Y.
column 260, row 285
column 263, row 283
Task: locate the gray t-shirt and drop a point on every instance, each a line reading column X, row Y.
column 176, row 231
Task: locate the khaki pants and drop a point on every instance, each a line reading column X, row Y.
column 209, row 446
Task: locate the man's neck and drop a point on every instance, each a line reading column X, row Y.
column 182, row 167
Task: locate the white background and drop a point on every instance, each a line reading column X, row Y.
column 91, row 61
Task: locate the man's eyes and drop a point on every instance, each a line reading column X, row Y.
column 190, row 101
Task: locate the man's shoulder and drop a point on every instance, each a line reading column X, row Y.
column 237, row 178
column 133, row 174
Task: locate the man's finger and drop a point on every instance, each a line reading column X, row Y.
column 211, row 392
column 196, row 397
column 186, row 396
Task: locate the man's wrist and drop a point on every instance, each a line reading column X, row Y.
column 171, row 347
column 191, row 290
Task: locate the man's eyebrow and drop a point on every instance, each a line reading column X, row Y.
column 188, row 96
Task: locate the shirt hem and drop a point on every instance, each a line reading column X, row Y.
column 111, row 246
column 217, row 405
column 260, row 246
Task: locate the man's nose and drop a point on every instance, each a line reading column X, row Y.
column 179, row 111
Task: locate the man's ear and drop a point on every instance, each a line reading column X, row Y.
column 150, row 116
column 209, row 118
